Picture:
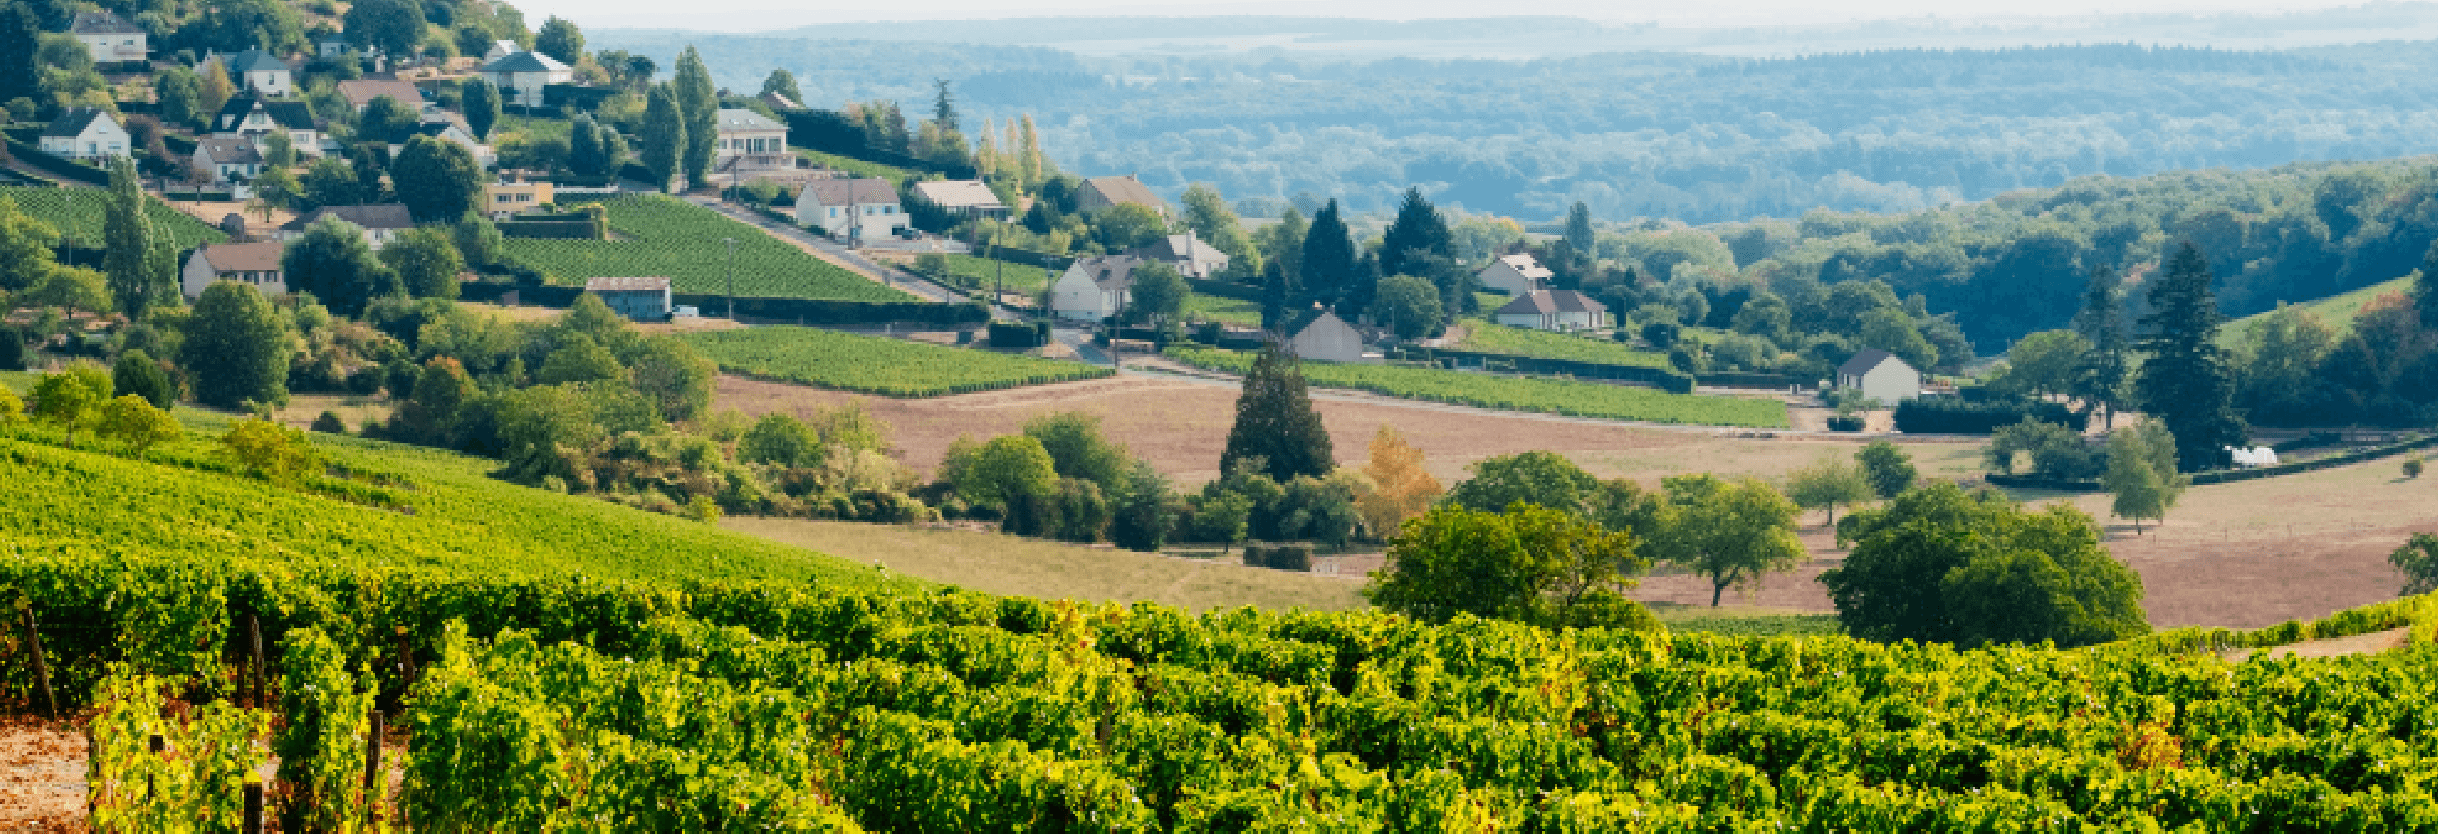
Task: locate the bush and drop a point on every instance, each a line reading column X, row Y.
column 2412, row 466
column 1010, row 335
column 1845, row 422
column 329, row 423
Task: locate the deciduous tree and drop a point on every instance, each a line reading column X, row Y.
column 2142, row 475
column 1397, row 487
column 664, row 136
column 559, row 38
column 698, row 103
column 674, row 376
column 131, row 420
column 393, row 26
column 783, row 83
column 1942, row 564
column 2418, row 561
column 1532, row 564
column 426, row 261
column 1889, row 469
column 1539, row 478
column 482, row 106
column 137, row 373
column 781, row 440
column 1831, row 481
column 333, row 262
column 236, row 348
column 137, row 261
column 1729, row 532
column 437, row 180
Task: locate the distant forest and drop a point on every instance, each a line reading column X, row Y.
column 1678, row 136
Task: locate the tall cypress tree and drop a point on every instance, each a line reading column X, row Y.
column 1275, row 420
column 20, row 53
column 1329, row 263
column 131, row 261
column 1418, row 230
column 2100, row 381
column 2188, row 382
column 664, row 135
column 699, row 104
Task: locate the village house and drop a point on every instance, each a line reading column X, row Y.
column 520, row 76
column 1100, row 193
column 500, row 49
column 85, row 133
column 779, row 102
column 1094, row 288
column 227, row 158
column 380, row 223
column 257, row 264
column 858, row 209
column 255, row 117
column 1879, row 375
column 447, row 127
column 969, row 199
column 1320, row 335
column 502, row 200
column 109, row 37
column 639, row 299
column 259, row 72
column 1192, row 258
column 744, row 133
column 361, row 92
column 1512, row 274
column 1553, row 310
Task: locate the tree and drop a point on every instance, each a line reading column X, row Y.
column 1158, row 293
column 1418, row 234
column 178, row 95
column 430, row 409
column 1329, row 263
column 12, row 409
column 370, row 162
column 1078, row 450
column 781, row 440
column 1398, row 487
column 1891, row 330
column 72, row 399
column 2045, row 363
column 1408, row 306
column 26, row 256
column 140, row 271
column 1831, row 481
column 330, row 181
column 1888, row 468
column 1141, row 514
column 1005, row 469
column 274, row 452
column 1730, row 532
column 437, row 180
column 384, row 118
column 1275, row 421
column 2142, row 475
column 478, row 241
column 1127, row 226
column 215, row 88
column 783, row 83
column 588, row 151
column 2187, row 382
column 426, row 261
column 1542, row 479
column 137, row 373
column 1530, row 564
column 1942, row 564
column 481, row 103
column 2418, row 561
column 674, row 376
column 20, row 51
column 2425, row 289
column 559, row 38
column 131, row 420
column 698, row 103
column 579, row 359
column 1578, row 237
column 664, row 136
column 393, row 26
column 2284, row 353
column 333, row 262
column 73, row 288
column 236, row 348
column 2056, row 451
column 1208, row 215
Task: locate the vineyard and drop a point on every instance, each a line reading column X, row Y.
column 1551, row 396
column 1485, row 337
column 664, row 236
column 77, row 214
column 877, row 365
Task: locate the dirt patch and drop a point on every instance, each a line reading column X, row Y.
column 2372, row 643
column 42, row 776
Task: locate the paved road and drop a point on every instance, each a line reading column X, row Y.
column 848, row 259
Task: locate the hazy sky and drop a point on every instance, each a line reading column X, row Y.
column 746, row 15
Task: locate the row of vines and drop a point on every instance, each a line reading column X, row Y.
column 1549, row 396
column 878, row 365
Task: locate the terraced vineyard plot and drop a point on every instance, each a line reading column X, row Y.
column 1580, row 399
column 77, row 214
column 1487, row 337
column 663, row 236
column 875, row 365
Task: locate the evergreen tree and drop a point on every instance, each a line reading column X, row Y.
column 1418, row 230
column 1329, row 264
column 2187, row 382
column 1282, row 277
column 1579, row 236
column 236, row 347
column 560, row 39
column 437, row 180
column 20, row 53
column 943, row 106
column 1275, row 421
column 482, row 103
column 2100, row 381
column 783, row 83
column 586, row 152
column 664, row 136
column 370, row 162
column 139, row 275
column 699, row 104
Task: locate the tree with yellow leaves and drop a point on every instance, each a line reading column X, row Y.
column 1397, row 488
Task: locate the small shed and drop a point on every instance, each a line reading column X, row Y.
column 639, row 299
column 1881, row 376
column 1319, row 334
column 1553, row 310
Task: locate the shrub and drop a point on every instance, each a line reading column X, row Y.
column 1845, row 422
column 2412, row 466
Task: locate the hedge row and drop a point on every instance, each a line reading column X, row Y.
column 1665, row 379
column 797, row 310
column 1954, row 415
column 2220, row 476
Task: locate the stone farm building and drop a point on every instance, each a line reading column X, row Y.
column 640, row 299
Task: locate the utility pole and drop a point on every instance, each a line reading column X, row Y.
column 731, row 277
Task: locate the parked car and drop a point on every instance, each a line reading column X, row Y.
column 684, row 312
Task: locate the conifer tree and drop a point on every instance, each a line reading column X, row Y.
column 664, row 136
column 136, row 268
column 1329, row 261
column 783, row 83
column 2100, row 381
column 1418, row 230
column 1275, row 421
column 2187, row 382
column 699, row 104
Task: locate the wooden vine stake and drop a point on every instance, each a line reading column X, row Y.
column 42, row 667
column 253, row 807
column 373, row 782
column 262, row 687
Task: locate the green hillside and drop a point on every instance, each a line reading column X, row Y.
column 664, row 236
column 2337, row 310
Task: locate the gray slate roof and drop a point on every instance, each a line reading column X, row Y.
column 229, row 149
column 525, row 62
column 102, row 23
column 1863, row 362
column 74, row 120
column 870, row 191
column 738, row 118
column 253, row 60
column 288, row 113
column 626, row 284
column 1544, row 302
column 1112, row 272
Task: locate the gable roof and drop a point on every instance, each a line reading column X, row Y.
column 964, row 194
column 1863, row 362
column 738, row 118
column 1112, row 273
column 780, row 102
column 1545, row 302
column 1184, row 247
column 525, row 61
column 1305, row 320
column 253, row 60
column 843, row 192
column 635, row 284
column 391, row 216
column 244, row 257
column 102, row 23
column 361, row 93
column 1125, row 189
column 228, row 149
column 287, row 113
column 75, row 120
column 435, row 128
column 1525, row 264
